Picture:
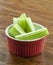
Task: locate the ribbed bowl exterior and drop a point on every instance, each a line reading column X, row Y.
column 25, row 48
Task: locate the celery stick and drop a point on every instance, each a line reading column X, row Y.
column 13, row 31
column 33, row 35
column 22, row 22
column 30, row 26
column 17, row 26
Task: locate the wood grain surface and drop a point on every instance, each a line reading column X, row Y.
column 41, row 11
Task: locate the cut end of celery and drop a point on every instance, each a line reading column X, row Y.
column 13, row 31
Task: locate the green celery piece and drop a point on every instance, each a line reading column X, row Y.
column 13, row 31
column 15, row 20
column 33, row 35
column 25, row 23
column 22, row 22
column 29, row 25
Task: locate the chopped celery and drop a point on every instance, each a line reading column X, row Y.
column 33, row 35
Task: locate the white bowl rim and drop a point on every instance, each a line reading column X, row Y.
column 6, row 32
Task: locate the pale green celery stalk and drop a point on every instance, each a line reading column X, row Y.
column 33, row 35
column 22, row 22
column 30, row 26
column 13, row 31
column 21, row 31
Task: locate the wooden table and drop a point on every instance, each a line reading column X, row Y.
column 41, row 11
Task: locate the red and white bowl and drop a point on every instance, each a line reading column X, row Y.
column 26, row 48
